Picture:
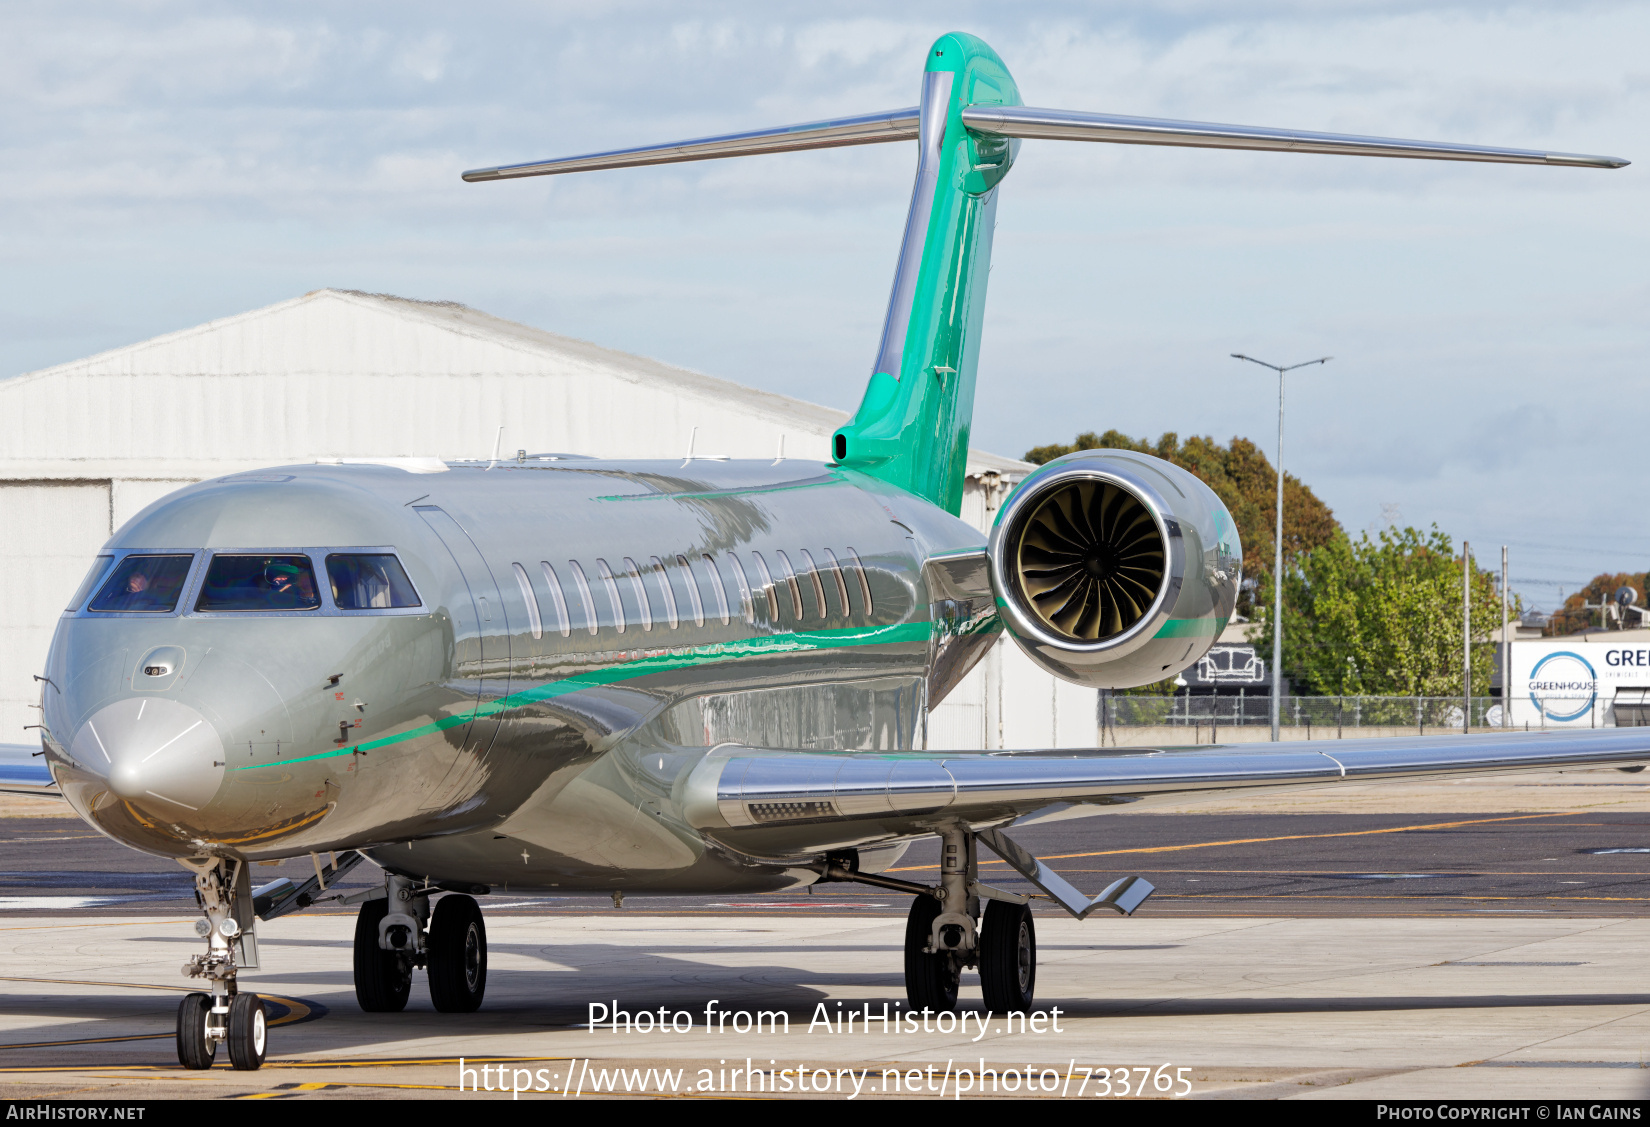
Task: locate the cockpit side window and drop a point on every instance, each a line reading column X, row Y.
column 100, row 568
column 259, row 583
column 369, row 581
column 145, row 584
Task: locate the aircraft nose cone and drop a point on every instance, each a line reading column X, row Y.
column 153, row 748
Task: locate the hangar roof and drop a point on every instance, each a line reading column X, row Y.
column 338, row 373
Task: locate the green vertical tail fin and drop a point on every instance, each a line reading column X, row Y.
column 911, row 429
column 912, row 426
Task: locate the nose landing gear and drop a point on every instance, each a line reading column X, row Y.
column 207, row 1020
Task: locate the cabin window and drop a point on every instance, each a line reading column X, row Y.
column 99, row 568
column 585, row 600
column 693, row 592
column 259, row 583
column 643, row 606
column 534, row 622
column 813, row 577
column 767, row 586
column 145, row 584
column 858, row 568
column 747, row 605
column 716, row 587
column 365, row 581
column 841, row 583
column 612, row 586
column 558, row 601
column 665, row 592
column 790, row 582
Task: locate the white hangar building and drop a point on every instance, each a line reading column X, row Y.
column 341, row 374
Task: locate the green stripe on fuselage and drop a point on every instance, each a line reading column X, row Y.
column 801, row 640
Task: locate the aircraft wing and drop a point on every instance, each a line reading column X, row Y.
column 22, row 771
column 819, row 800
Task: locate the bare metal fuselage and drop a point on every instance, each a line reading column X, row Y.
column 504, row 733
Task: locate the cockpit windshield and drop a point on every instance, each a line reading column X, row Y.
column 147, row 584
column 265, row 583
column 100, row 568
column 369, row 582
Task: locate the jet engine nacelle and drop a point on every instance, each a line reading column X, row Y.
column 1114, row 569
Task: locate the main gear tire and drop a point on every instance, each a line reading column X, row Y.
column 383, row 979
column 458, row 955
column 1008, row 957
column 931, row 980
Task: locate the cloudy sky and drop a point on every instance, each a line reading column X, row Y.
column 167, row 163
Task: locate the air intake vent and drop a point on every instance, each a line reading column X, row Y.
column 789, row 811
column 1089, row 560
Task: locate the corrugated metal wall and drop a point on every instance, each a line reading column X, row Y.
column 51, row 532
column 336, row 374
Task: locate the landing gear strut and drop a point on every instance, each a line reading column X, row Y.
column 398, row 932
column 942, row 937
column 207, row 1020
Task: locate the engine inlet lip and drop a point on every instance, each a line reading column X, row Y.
column 1011, row 525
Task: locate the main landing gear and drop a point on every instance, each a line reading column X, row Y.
column 207, row 1020
column 399, row 932
column 941, row 937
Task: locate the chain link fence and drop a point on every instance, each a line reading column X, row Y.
column 1327, row 715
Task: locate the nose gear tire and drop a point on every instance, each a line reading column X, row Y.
column 383, row 979
column 1008, row 957
column 248, row 1032
column 458, row 955
column 930, row 980
column 195, row 1048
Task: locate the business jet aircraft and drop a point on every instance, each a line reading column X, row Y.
column 559, row 673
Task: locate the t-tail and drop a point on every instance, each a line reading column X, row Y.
column 912, row 426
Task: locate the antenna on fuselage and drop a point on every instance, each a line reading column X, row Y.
column 693, row 440
column 498, row 441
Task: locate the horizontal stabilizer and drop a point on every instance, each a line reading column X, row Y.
column 1073, row 125
column 866, row 129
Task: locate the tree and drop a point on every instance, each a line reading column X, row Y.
column 1574, row 616
column 1246, row 484
column 1382, row 617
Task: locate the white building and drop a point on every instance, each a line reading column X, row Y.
column 341, row 374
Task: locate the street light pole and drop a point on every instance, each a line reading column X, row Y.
column 1506, row 648
column 1466, row 638
column 1277, row 558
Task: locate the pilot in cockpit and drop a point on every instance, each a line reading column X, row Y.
column 289, row 585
